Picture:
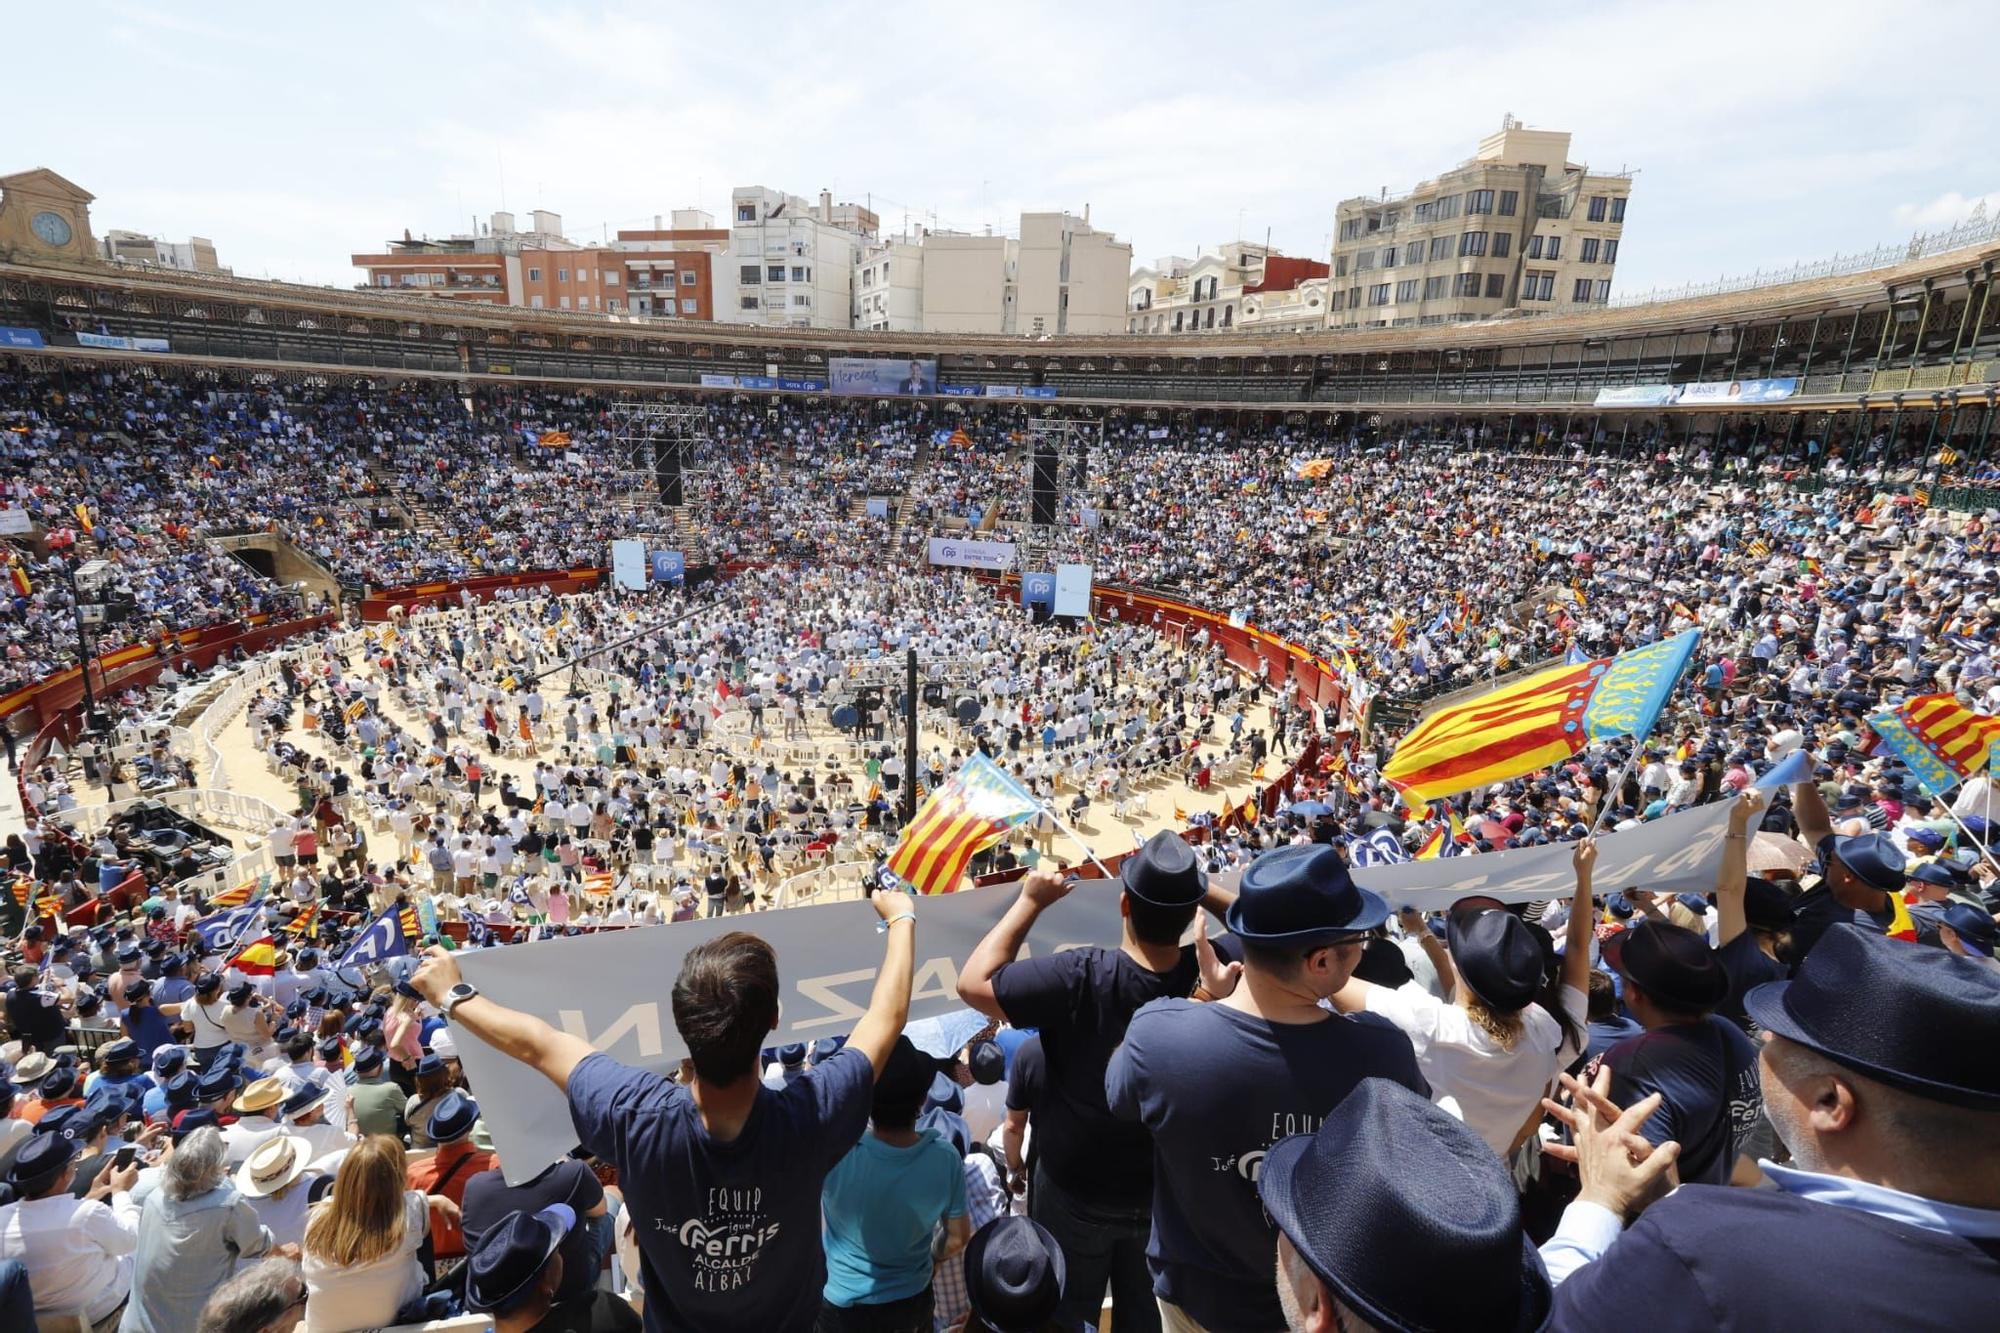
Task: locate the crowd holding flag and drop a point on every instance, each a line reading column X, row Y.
column 1941, row 740
column 1542, row 720
column 221, row 930
column 258, row 958
column 968, row 812
column 383, row 938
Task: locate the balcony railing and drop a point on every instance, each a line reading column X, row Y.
column 1976, row 230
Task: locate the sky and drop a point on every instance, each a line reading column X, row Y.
column 1762, row 133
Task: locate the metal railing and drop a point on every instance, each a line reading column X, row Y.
column 1976, row 230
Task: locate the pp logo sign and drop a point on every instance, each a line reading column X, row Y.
column 949, row 552
column 1040, row 587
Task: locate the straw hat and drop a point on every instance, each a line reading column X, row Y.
column 272, row 1165
column 260, row 1096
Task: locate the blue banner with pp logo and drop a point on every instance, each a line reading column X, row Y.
column 669, row 567
column 1038, row 590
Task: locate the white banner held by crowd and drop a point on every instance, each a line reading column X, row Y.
column 828, row 955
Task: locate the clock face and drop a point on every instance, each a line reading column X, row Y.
column 51, row 227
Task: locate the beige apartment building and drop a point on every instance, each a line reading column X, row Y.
column 1061, row 275
column 1517, row 227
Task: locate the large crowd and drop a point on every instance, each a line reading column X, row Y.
column 1771, row 1101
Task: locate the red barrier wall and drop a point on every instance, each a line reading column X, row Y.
column 139, row 663
column 429, row 596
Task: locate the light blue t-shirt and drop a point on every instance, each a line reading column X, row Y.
column 880, row 1206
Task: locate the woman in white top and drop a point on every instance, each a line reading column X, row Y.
column 360, row 1254
column 205, row 1010
column 1489, row 1048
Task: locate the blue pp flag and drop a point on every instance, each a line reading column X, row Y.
column 382, row 939
column 1380, row 848
column 220, row 931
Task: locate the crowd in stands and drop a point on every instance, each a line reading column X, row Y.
column 1773, row 1101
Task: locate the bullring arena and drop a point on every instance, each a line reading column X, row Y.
column 349, row 629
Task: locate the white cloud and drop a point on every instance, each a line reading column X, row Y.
column 1946, row 210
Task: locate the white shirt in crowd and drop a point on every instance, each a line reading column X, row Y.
column 1495, row 1088
column 78, row 1252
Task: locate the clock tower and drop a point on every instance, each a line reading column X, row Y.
column 44, row 216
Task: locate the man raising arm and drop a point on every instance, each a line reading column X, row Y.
column 721, row 1175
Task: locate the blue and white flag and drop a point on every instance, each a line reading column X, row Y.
column 382, row 939
column 220, row 931
column 1380, row 848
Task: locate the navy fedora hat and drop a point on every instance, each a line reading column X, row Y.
column 1916, row 1018
column 1302, row 896
column 1497, row 956
column 453, row 1118
column 1390, row 1193
column 1670, row 963
column 509, row 1258
column 40, row 1160
column 1873, row 858
column 1014, row 1274
column 1164, row 872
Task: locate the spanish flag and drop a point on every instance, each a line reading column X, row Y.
column 1538, row 721
column 258, row 958
column 85, row 520
column 969, row 811
column 18, row 576
column 1900, row 927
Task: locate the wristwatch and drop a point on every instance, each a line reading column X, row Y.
column 456, row 996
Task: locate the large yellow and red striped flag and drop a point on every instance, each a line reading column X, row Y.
column 1941, row 740
column 1538, row 721
column 969, row 811
column 236, row 897
column 406, row 920
column 85, row 519
column 258, row 958
column 17, row 575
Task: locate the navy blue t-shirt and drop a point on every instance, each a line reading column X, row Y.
column 1217, row 1088
column 1081, row 1001
column 1747, row 966
column 1710, row 1093
column 728, row 1232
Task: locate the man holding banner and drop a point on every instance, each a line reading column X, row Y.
column 721, row 1174
column 1093, row 1178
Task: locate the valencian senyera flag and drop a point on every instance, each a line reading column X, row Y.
column 1941, row 740
column 969, row 811
column 1538, row 721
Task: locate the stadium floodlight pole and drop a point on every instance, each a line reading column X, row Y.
column 909, row 736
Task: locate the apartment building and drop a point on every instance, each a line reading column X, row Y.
column 1517, row 227
column 1057, row 276
column 1216, row 290
column 791, row 262
column 661, row 272
column 194, row 255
